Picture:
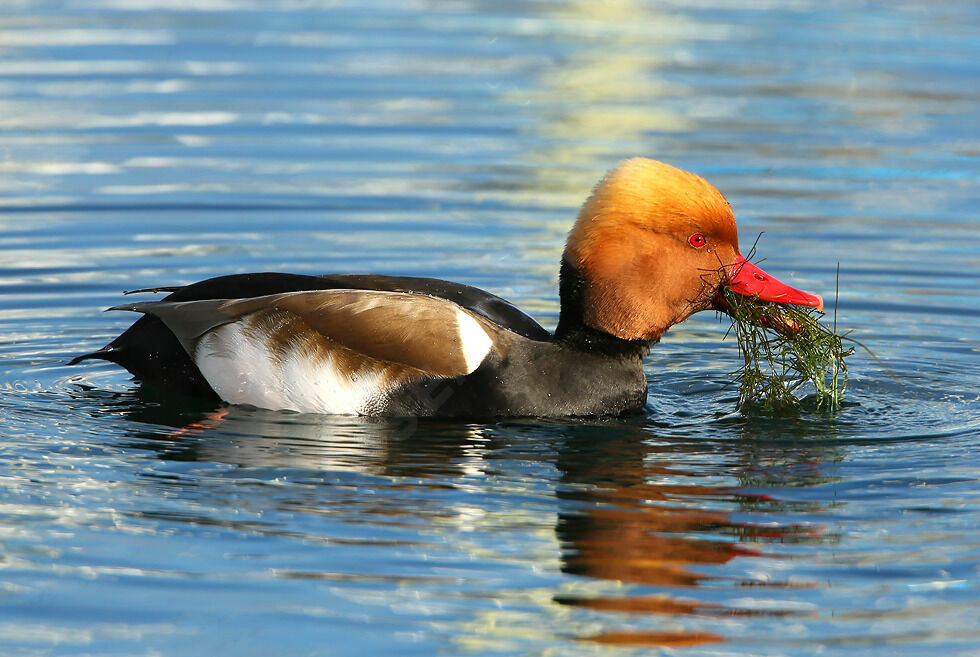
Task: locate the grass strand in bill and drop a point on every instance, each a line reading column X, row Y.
column 784, row 348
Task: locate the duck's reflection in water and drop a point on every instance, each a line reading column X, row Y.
column 258, row 438
column 635, row 514
column 670, row 532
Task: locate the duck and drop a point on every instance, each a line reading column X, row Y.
column 652, row 245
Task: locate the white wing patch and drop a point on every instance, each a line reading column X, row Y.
column 241, row 370
column 473, row 340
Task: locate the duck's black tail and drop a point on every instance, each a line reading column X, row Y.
column 153, row 355
column 107, row 352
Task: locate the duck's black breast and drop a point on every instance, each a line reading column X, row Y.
column 151, row 352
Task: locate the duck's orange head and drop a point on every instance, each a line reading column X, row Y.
column 652, row 245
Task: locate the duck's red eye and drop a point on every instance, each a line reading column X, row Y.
column 697, row 240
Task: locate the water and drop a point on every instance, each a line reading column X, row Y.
column 152, row 143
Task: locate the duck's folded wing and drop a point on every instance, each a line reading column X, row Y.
column 337, row 351
column 497, row 310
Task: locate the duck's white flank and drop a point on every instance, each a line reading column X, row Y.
column 236, row 360
column 238, row 365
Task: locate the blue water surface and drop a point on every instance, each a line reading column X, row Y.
column 159, row 142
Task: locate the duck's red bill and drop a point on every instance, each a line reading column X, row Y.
column 750, row 280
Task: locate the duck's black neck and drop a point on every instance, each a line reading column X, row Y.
column 572, row 330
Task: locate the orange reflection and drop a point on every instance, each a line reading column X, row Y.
column 636, row 520
column 643, row 546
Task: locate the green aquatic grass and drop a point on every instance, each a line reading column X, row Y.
column 784, row 349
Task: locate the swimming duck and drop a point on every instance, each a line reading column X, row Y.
column 651, row 246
